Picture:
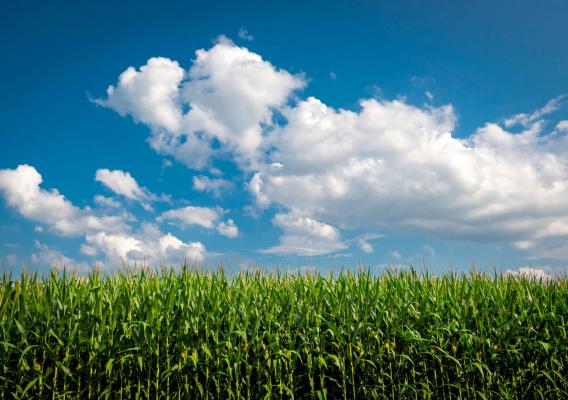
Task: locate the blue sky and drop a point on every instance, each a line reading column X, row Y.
column 326, row 134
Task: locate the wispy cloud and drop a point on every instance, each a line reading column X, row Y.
column 526, row 120
column 244, row 34
column 216, row 186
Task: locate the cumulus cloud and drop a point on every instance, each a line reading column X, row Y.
column 386, row 165
column 149, row 246
column 203, row 183
column 305, row 236
column 123, row 184
column 203, row 216
column 229, row 92
column 395, row 165
column 108, row 235
column 529, row 273
column 22, row 191
column 228, row 229
column 150, row 95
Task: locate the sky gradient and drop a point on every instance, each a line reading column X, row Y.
column 287, row 135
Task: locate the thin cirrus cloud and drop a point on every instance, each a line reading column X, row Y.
column 388, row 165
column 526, row 120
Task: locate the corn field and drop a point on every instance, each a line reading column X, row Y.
column 191, row 334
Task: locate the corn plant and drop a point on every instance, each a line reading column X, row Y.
column 188, row 334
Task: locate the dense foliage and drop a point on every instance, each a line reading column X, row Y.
column 199, row 335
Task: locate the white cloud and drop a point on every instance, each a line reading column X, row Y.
column 48, row 257
column 255, row 187
column 526, row 120
column 388, row 164
column 244, row 34
column 366, row 246
column 104, row 201
column 398, row 166
column 202, row 216
column 562, row 126
column 149, row 246
column 305, row 236
column 230, row 93
column 395, row 254
column 228, row 229
column 109, row 235
column 150, row 95
column 203, row 183
column 429, row 95
column 22, row 191
column 529, row 273
column 172, row 248
column 123, row 184
column 89, row 250
column 190, row 215
column 363, row 241
column 114, row 246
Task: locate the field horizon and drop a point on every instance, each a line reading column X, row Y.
column 528, row 272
